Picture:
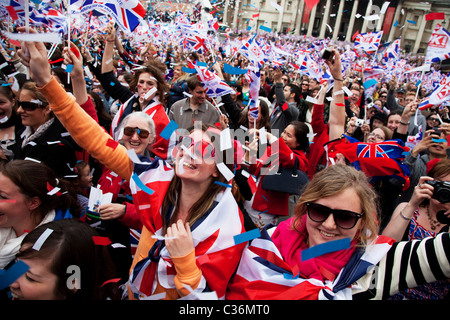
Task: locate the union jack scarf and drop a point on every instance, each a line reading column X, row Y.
column 216, row 254
column 263, row 273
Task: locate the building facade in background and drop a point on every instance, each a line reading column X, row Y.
column 340, row 20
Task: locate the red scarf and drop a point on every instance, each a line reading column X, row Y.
column 291, row 242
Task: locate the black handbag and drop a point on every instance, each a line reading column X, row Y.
column 286, row 180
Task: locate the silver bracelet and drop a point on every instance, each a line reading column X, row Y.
column 406, row 218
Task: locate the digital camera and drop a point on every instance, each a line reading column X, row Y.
column 359, row 122
column 441, row 190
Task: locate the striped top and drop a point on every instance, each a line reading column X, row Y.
column 431, row 291
column 407, row 265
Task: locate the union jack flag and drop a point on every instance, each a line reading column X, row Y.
column 127, row 13
column 368, row 42
column 392, row 52
column 264, row 274
column 253, row 52
column 311, row 68
column 194, row 42
column 377, row 160
column 215, row 87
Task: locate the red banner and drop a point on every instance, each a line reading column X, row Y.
column 388, row 18
column 435, row 16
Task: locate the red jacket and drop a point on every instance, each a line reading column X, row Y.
column 111, row 182
column 316, row 149
column 273, row 202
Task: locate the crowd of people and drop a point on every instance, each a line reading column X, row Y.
column 139, row 124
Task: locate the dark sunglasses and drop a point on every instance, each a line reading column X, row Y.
column 201, row 148
column 343, row 218
column 434, row 119
column 29, row 106
column 142, row 133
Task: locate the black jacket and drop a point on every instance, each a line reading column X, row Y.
column 55, row 148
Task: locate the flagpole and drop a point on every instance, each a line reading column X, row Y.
column 27, row 17
column 68, row 32
column 417, row 93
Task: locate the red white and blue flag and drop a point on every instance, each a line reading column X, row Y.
column 368, row 42
column 215, row 87
column 127, row 13
column 253, row 52
column 311, row 68
column 438, row 48
column 377, row 160
column 216, row 253
column 254, row 80
column 194, row 42
column 263, row 274
column 440, row 95
column 393, row 50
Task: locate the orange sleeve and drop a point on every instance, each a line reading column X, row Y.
column 86, row 132
column 188, row 273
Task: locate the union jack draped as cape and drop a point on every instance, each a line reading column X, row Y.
column 264, row 275
column 217, row 256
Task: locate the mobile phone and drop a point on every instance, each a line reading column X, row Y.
column 436, row 132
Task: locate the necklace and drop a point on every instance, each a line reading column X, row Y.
column 433, row 222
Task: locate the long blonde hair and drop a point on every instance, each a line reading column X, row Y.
column 332, row 181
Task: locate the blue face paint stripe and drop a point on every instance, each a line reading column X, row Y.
column 325, row 248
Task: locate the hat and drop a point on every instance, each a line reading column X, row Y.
column 378, row 115
column 401, row 90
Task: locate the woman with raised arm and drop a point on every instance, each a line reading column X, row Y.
column 190, row 216
column 146, row 93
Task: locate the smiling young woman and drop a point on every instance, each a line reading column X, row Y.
column 195, row 252
column 338, row 204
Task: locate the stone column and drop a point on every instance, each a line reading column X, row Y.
column 326, row 15
column 280, row 16
column 368, row 11
column 237, row 4
column 349, row 35
column 298, row 25
column 225, row 12
column 312, row 16
column 337, row 25
column 420, row 33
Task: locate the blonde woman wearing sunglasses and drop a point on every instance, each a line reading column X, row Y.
column 305, row 257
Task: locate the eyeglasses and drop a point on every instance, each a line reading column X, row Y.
column 377, row 136
column 343, row 218
column 29, row 105
column 383, row 96
column 305, row 84
column 434, row 119
column 142, row 133
column 201, row 148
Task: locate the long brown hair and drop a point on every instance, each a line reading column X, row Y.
column 202, row 205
